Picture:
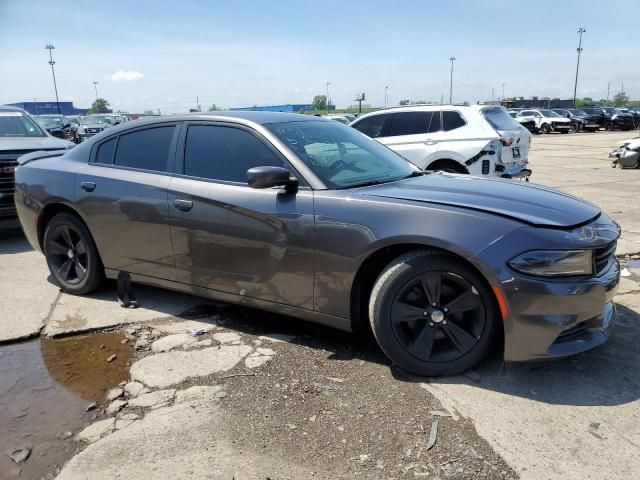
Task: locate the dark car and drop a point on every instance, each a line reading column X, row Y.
column 19, row 134
column 610, row 119
column 58, row 126
column 308, row 217
column 580, row 121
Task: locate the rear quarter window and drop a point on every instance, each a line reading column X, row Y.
column 105, row 152
column 452, row 120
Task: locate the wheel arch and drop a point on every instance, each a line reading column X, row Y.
column 441, row 163
column 48, row 212
column 373, row 265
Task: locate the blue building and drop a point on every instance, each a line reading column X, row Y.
column 50, row 108
column 288, row 108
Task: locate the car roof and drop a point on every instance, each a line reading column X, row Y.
column 9, row 108
column 245, row 117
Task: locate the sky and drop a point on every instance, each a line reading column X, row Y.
column 163, row 54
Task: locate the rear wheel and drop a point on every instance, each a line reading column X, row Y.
column 432, row 314
column 450, row 166
column 71, row 255
column 608, row 126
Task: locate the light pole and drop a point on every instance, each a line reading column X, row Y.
column 451, row 81
column 503, row 92
column 328, row 83
column 581, row 30
column 386, row 93
column 52, row 63
column 95, row 86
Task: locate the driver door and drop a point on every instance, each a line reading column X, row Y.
column 233, row 238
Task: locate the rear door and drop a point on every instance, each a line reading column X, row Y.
column 230, row 237
column 122, row 194
column 414, row 135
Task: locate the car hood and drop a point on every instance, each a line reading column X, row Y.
column 531, row 204
column 95, row 125
column 32, row 143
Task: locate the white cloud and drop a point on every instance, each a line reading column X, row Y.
column 125, row 76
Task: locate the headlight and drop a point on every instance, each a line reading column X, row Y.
column 554, row 263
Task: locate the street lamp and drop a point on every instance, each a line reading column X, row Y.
column 386, row 91
column 451, row 81
column 503, row 92
column 581, row 30
column 52, row 63
column 95, row 86
column 328, row 83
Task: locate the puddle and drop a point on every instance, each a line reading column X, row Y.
column 634, row 265
column 45, row 387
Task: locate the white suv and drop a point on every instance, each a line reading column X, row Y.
column 547, row 121
column 477, row 139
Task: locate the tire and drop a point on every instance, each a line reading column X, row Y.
column 574, row 128
column 544, row 128
column 608, row 126
column 449, row 166
column 72, row 256
column 403, row 317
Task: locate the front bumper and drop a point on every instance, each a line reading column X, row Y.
column 554, row 317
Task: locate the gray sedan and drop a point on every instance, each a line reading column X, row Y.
column 308, row 217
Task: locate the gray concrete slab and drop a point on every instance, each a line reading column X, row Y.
column 579, row 164
column 27, row 296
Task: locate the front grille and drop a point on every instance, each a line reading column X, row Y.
column 559, row 125
column 572, row 332
column 603, row 255
column 8, row 162
column 7, row 179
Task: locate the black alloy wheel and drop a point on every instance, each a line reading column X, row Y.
column 433, row 314
column 438, row 317
column 71, row 255
column 545, row 128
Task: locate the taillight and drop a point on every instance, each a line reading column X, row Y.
column 506, row 141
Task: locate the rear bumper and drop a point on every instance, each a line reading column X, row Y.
column 518, row 173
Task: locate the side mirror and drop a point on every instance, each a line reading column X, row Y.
column 267, row 177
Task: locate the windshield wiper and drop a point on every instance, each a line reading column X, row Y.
column 415, row 173
column 368, row 183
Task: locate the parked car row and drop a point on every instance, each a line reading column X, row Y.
column 76, row 128
column 586, row 119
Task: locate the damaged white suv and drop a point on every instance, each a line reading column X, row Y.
column 481, row 140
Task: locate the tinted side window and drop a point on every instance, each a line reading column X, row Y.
column 146, row 149
column 224, row 153
column 371, row 126
column 409, row 123
column 105, row 152
column 452, row 120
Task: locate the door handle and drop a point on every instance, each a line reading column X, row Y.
column 182, row 205
column 429, row 141
column 88, row 186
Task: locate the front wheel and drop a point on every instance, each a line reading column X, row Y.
column 432, row 314
column 71, row 255
column 574, row 128
column 545, row 128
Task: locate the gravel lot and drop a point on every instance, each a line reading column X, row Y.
column 263, row 396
